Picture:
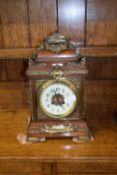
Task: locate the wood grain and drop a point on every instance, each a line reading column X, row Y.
column 58, row 156
column 25, row 53
column 102, row 68
column 97, row 52
column 71, row 19
column 42, row 20
column 13, row 94
column 16, row 70
column 14, row 23
column 3, row 73
column 101, row 97
column 85, row 174
column 25, row 166
column 101, row 94
column 13, row 70
column 2, row 62
column 89, row 167
column 101, row 22
column 22, row 53
column 101, row 150
column 14, row 28
column 1, row 37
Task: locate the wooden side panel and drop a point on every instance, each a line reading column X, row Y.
column 21, row 167
column 102, row 68
column 71, row 19
column 13, row 70
column 87, row 168
column 49, row 169
column 25, row 167
column 3, row 75
column 13, row 94
column 81, row 174
column 42, row 17
column 101, row 98
column 101, row 22
column 14, row 23
column 16, row 69
column 1, row 42
column 2, row 62
column 1, row 37
column 14, row 32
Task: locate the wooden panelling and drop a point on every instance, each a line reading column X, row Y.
column 82, row 174
column 102, row 68
column 42, row 19
column 14, row 23
column 3, row 74
column 16, row 69
column 71, row 19
column 101, row 22
column 97, row 52
column 87, row 167
column 101, row 93
column 25, row 53
column 1, row 37
column 17, row 174
column 13, row 94
column 99, row 156
column 71, row 22
column 13, row 70
column 49, row 168
column 101, row 98
column 20, row 167
column 23, row 25
column 2, row 62
column 1, row 43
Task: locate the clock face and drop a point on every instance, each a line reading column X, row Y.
column 57, row 99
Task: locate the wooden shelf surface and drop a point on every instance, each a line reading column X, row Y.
column 25, row 53
column 13, row 122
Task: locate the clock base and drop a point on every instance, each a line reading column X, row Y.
column 42, row 130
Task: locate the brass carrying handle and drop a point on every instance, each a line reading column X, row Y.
column 58, row 128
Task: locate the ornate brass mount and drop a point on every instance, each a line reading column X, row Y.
column 55, row 43
column 58, row 128
column 57, row 73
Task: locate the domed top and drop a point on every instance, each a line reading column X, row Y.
column 56, row 47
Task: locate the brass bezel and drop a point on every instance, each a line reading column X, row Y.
column 47, row 84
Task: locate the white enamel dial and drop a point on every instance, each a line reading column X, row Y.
column 58, row 100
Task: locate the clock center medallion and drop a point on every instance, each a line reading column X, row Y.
column 58, row 99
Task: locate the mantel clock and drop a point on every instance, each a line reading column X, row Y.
column 57, row 100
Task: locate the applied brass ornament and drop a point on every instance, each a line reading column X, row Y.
column 58, row 128
column 57, row 73
column 55, row 43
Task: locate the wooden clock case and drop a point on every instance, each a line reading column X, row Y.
column 56, row 58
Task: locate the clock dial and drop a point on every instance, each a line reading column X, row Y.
column 57, row 99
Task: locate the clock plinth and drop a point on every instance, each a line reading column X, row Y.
column 42, row 130
column 57, row 96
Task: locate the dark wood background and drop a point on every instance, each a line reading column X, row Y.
column 92, row 24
